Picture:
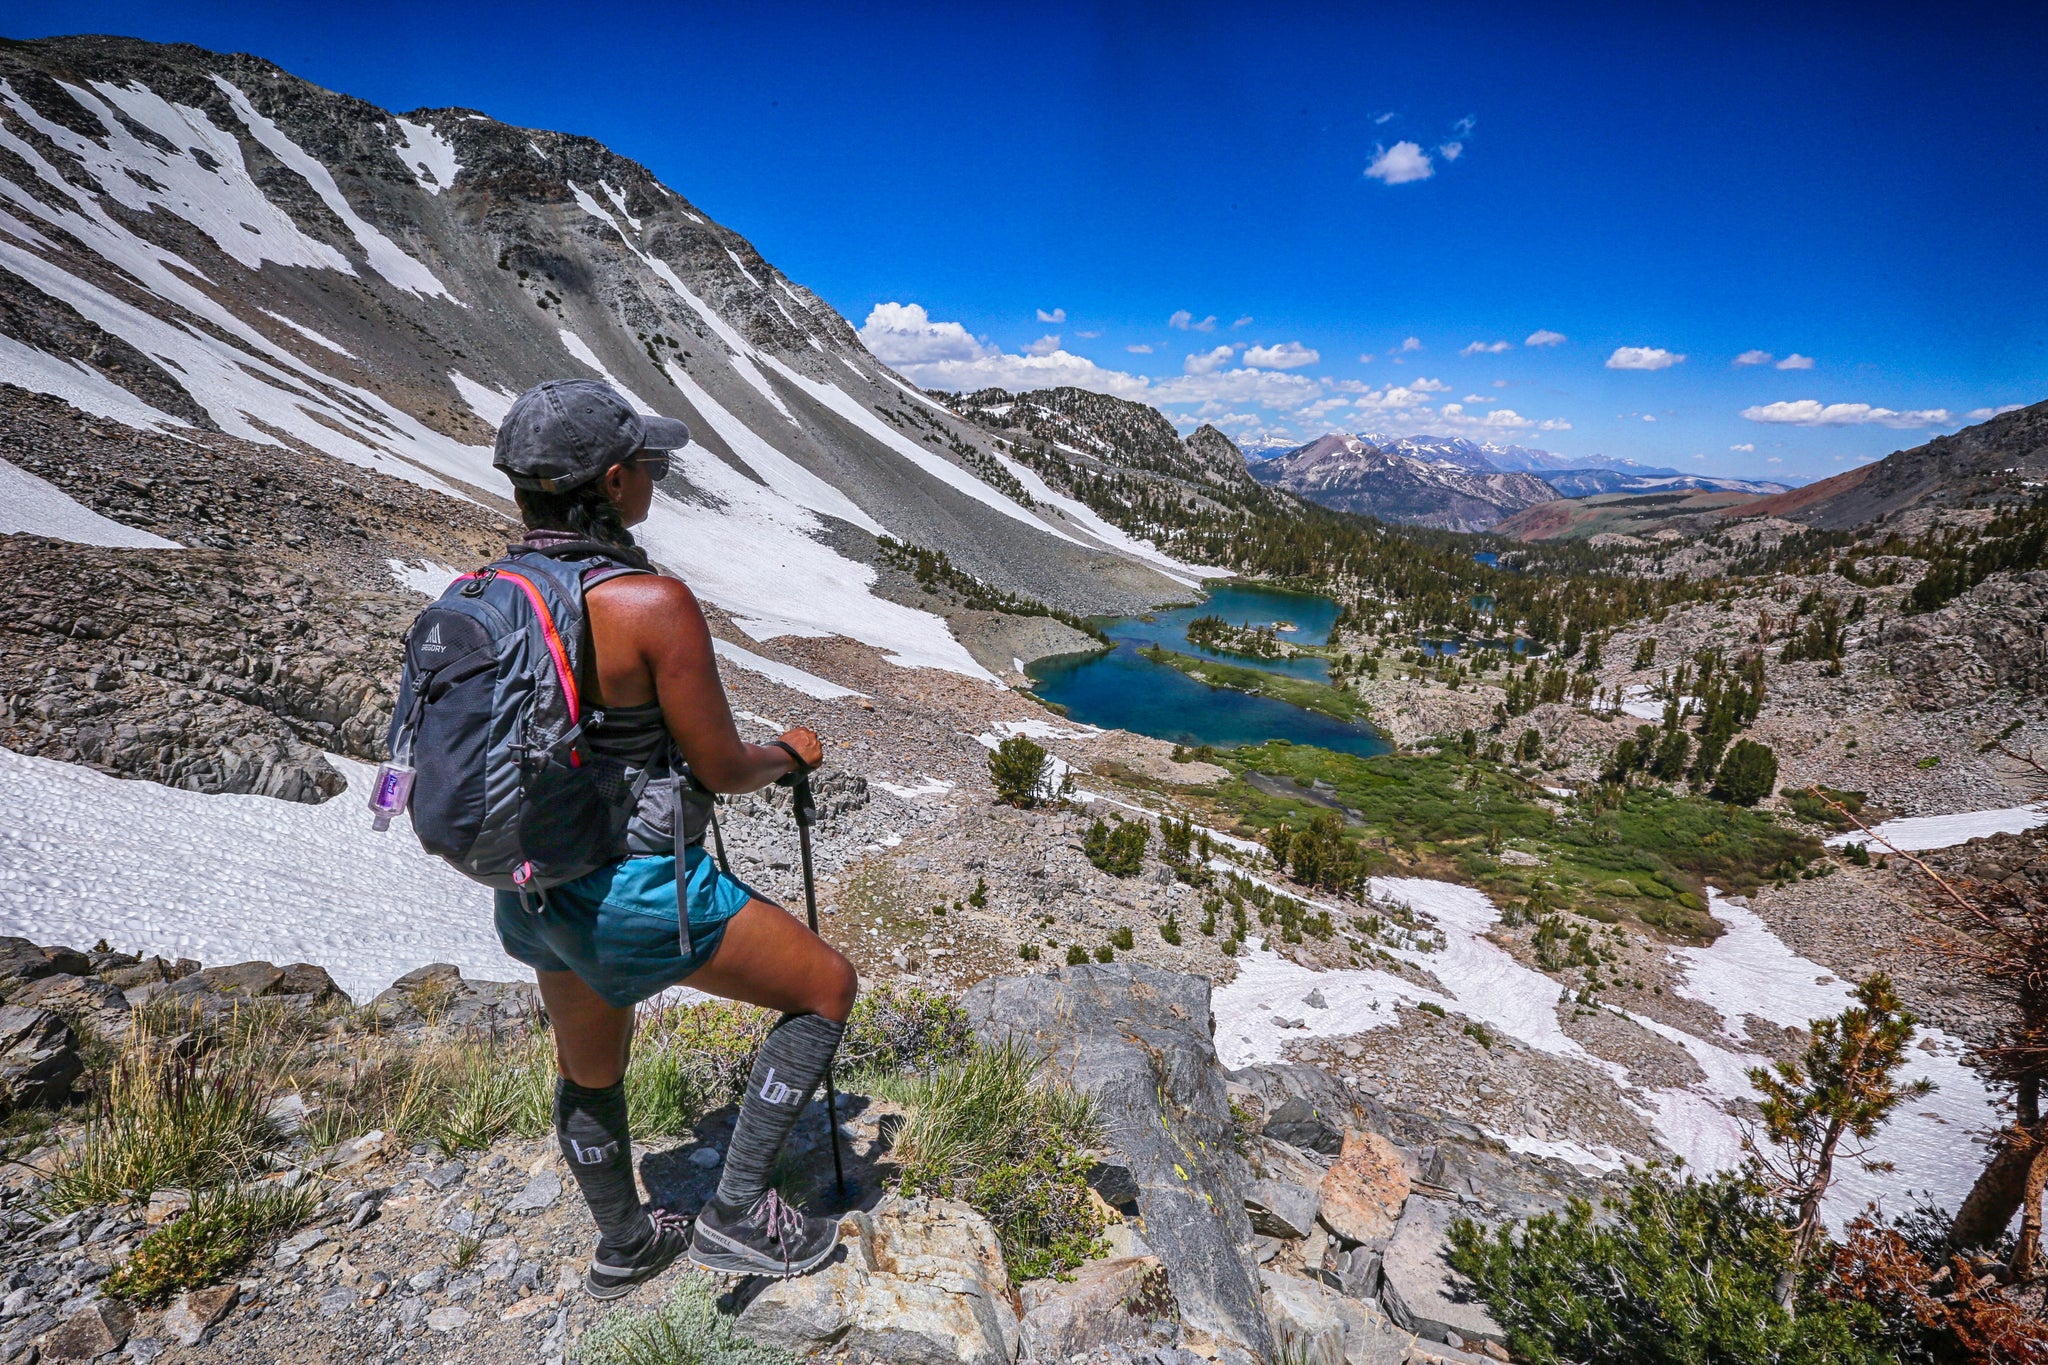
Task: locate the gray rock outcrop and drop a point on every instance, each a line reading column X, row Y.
column 1138, row 1040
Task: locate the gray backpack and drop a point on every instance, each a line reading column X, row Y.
column 490, row 714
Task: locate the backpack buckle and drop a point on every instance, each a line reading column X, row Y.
column 475, row 586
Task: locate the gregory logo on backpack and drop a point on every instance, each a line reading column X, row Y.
column 489, row 713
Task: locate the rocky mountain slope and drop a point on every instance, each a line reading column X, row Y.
column 192, row 241
column 1347, row 473
column 2002, row 459
column 1102, row 432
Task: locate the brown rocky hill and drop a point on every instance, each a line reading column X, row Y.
column 1999, row 459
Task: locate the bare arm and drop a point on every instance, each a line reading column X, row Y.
column 652, row 642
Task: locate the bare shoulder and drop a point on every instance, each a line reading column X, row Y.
column 652, row 599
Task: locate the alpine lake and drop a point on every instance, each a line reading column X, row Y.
column 1156, row 681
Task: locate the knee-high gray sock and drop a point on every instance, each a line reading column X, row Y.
column 786, row 1070
column 591, row 1125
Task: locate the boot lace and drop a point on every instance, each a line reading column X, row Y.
column 783, row 1224
column 667, row 1223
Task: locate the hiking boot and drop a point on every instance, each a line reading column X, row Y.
column 770, row 1238
column 612, row 1273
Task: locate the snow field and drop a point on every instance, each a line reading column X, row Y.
column 810, row 684
column 429, row 156
column 33, row 505
column 1932, row 1142
column 229, row 878
column 1924, row 833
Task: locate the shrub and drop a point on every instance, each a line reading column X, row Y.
column 687, row 1329
column 1105, row 954
column 163, row 1121
column 1077, row 956
column 1678, row 1272
column 1170, row 931
column 903, row 1028
column 1023, row 773
column 212, row 1238
column 1120, row 937
column 1118, row 850
column 994, row 1130
column 1747, row 773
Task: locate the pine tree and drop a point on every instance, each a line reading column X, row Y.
column 1841, row 1089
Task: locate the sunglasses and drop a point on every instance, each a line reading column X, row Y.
column 655, row 462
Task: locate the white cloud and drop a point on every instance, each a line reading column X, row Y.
column 1088, row 336
column 1810, row 412
column 1208, row 362
column 1366, row 358
column 1642, row 358
column 1543, row 336
column 1244, row 321
column 1043, row 346
column 1056, row 315
column 1392, row 398
column 1773, row 459
column 1487, row 348
column 1381, row 120
column 1500, row 383
column 1754, row 358
column 1315, row 411
column 1412, row 344
column 904, row 334
column 1464, row 126
column 1400, row 163
column 1024, row 372
column 1986, row 414
column 1452, row 150
column 1454, row 420
column 1796, row 361
column 1185, row 321
column 1746, row 445
column 1288, row 355
column 1478, row 398
column 1140, row 348
column 1426, row 385
column 1266, row 388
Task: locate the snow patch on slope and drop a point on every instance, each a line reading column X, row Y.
column 810, row 684
column 487, row 402
column 37, row 507
column 227, row 878
column 384, row 255
column 79, row 385
column 429, row 156
column 1924, row 833
column 317, row 338
column 1748, row 971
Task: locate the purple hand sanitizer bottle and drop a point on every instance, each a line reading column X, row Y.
column 390, row 792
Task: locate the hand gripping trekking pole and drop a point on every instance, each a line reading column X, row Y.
column 806, row 811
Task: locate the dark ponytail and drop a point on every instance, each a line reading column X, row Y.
column 584, row 512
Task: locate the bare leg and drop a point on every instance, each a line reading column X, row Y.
column 770, row 958
column 592, row 1039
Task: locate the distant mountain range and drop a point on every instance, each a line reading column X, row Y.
column 1459, row 484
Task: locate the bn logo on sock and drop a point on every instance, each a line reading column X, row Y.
column 774, row 1091
column 592, row 1156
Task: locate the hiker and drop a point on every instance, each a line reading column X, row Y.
column 583, row 466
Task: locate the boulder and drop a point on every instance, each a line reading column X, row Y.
column 1137, row 1039
column 1328, row 1100
column 1281, row 1208
column 148, row 971
column 437, row 994
column 22, row 961
column 81, row 997
column 38, row 1057
column 1302, row 1123
column 1364, row 1190
column 1127, row 1302
column 920, row 1281
column 1420, row 1290
column 100, row 1327
column 192, row 1313
column 1306, row 1323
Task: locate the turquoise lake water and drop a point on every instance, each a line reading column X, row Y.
column 1125, row 690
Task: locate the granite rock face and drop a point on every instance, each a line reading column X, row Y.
column 920, row 1281
column 1421, row 1291
column 1138, row 1040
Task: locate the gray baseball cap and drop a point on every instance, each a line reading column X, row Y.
column 563, row 433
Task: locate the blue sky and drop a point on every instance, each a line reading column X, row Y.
column 1360, row 217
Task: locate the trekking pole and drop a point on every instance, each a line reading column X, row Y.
column 806, row 811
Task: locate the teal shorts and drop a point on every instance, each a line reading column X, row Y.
column 616, row 927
